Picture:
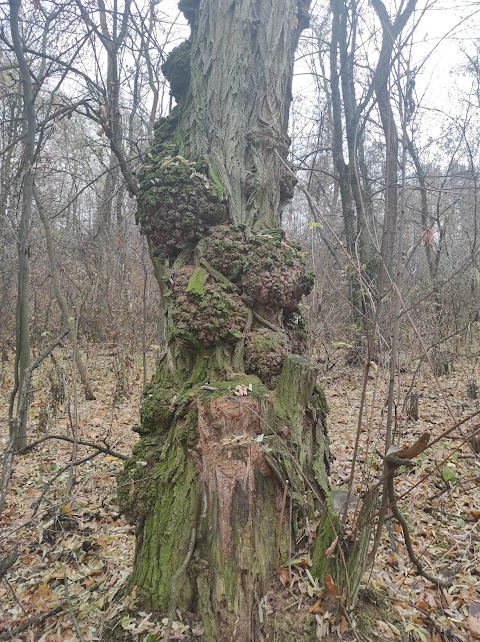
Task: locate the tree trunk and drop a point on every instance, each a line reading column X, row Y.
column 22, row 355
column 233, row 458
column 381, row 81
column 68, row 318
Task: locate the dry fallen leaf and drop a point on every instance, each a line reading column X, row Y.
column 316, row 608
column 302, row 562
column 283, row 575
column 241, row 391
column 330, row 552
column 330, row 584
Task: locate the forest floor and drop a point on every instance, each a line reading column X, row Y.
column 75, row 550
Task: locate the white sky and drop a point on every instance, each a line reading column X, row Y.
column 442, row 33
column 447, row 27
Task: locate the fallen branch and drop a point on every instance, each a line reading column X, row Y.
column 90, row 444
column 8, row 635
column 8, row 561
column 392, row 462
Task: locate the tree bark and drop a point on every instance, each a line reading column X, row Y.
column 22, row 356
column 390, row 32
column 233, row 422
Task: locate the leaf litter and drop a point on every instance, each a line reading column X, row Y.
column 83, row 540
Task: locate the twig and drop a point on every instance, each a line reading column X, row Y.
column 103, row 449
column 18, row 420
column 426, row 615
column 351, row 624
column 73, row 422
column 59, row 473
column 267, row 323
column 33, row 620
column 220, row 278
column 403, row 523
column 72, row 612
column 15, row 597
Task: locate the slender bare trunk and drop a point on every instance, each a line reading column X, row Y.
column 68, row 317
column 22, row 357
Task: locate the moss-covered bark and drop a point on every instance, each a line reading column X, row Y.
column 232, row 462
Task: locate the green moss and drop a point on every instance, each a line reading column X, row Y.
column 165, row 535
column 348, row 563
column 212, row 317
column 276, row 276
column 175, row 202
column 307, row 281
column 196, row 283
column 326, row 533
column 225, row 249
column 164, row 142
column 157, row 409
column 218, row 189
column 135, row 480
column 265, row 351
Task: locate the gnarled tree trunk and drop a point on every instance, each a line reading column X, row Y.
column 233, row 458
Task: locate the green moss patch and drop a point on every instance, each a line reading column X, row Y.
column 225, row 248
column 212, row 316
column 176, row 205
column 196, row 283
column 265, row 352
column 134, row 482
column 276, row 276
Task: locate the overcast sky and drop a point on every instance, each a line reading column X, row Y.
column 443, row 31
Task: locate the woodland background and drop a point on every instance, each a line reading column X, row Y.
column 73, row 256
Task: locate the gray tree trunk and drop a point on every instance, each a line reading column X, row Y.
column 22, row 356
column 68, row 317
column 233, row 456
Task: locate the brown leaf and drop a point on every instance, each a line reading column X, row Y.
column 415, row 449
column 343, row 626
column 283, row 575
column 330, row 552
column 330, row 584
column 473, row 624
column 316, row 608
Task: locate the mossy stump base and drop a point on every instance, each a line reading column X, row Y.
column 206, row 493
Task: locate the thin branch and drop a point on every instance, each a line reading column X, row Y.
column 17, row 421
column 9, row 635
column 103, row 449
